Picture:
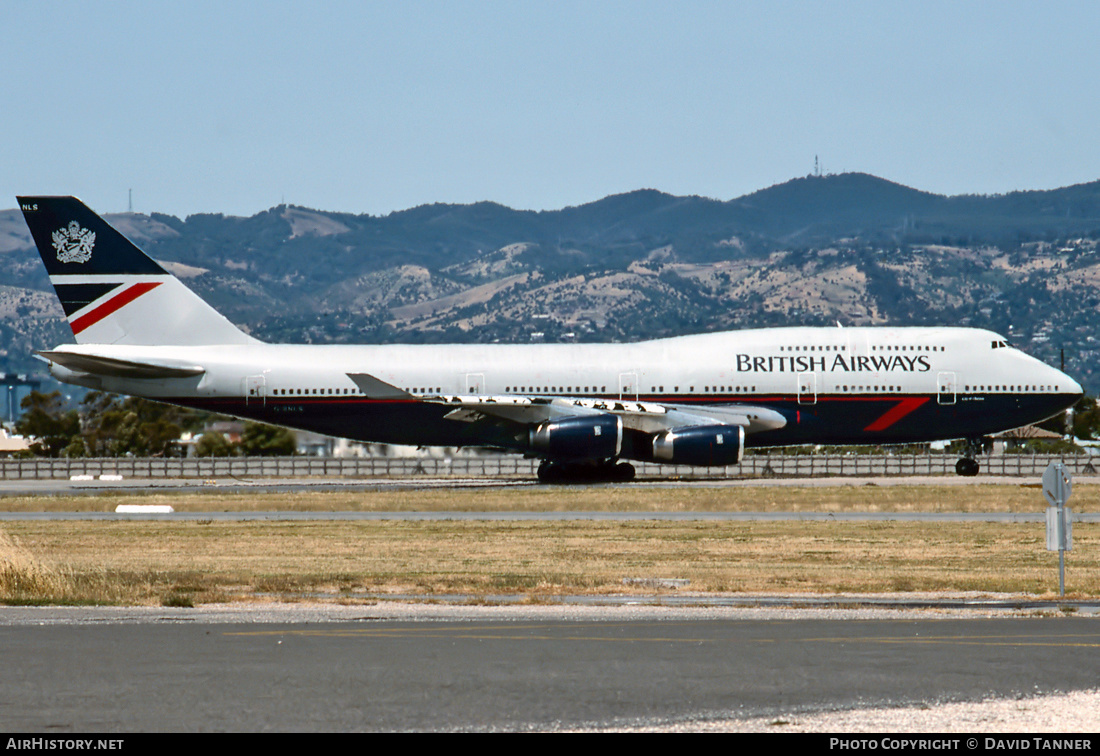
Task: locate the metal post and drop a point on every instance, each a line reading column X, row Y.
column 1061, row 567
column 1057, row 487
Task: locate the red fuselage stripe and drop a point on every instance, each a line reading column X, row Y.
column 115, row 303
column 900, row 410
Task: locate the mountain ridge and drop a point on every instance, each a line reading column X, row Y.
column 814, row 250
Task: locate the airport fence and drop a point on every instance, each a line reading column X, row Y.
column 759, row 465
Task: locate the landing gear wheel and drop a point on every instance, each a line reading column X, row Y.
column 623, row 472
column 967, row 467
column 549, row 473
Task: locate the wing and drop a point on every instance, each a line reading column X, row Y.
column 647, row 417
column 588, row 428
column 595, row 429
column 377, row 389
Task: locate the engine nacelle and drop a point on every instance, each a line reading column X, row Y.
column 706, row 445
column 582, row 437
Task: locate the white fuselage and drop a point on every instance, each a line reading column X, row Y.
column 801, row 368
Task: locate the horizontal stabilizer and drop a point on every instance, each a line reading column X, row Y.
column 116, row 368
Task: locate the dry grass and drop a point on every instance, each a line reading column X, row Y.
column 848, row 498
column 23, row 578
column 184, row 562
column 156, row 562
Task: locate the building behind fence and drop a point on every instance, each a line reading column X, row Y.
column 753, row 466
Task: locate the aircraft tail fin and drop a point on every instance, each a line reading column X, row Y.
column 111, row 291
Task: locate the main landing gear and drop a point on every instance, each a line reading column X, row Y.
column 968, row 466
column 586, row 472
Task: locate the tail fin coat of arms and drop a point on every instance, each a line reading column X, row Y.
column 74, row 243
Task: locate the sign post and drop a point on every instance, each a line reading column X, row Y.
column 1057, row 486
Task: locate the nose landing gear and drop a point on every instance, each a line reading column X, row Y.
column 968, row 466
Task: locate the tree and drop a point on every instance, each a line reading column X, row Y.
column 214, row 444
column 46, row 420
column 262, row 440
column 114, row 426
column 1086, row 418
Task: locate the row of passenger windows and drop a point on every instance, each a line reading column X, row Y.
column 556, row 389
column 996, row 389
column 815, row 348
column 311, row 392
column 868, row 388
column 966, row 389
column 903, row 348
column 874, row 348
column 336, row 391
column 653, row 389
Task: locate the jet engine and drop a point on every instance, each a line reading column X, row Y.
column 705, row 445
column 581, row 437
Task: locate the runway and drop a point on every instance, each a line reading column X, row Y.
column 362, row 669
column 548, row 516
column 58, row 486
column 186, row 486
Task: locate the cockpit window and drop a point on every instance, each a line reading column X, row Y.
column 1000, row 344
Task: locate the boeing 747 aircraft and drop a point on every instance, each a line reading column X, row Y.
column 584, row 409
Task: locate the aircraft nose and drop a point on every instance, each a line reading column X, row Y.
column 1075, row 387
column 1067, row 385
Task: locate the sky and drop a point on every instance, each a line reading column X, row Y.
column 370, row 107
